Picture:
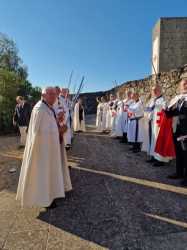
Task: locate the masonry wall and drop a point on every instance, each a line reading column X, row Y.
column 172, row 36
column 168, row 81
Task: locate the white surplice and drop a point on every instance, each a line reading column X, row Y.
column 159, row 105
column 68, row 135
column 134, row 133
column 126, row 104
column 41, row 179
column 99, row 117
column 104, row 116
column 119, row 119
column 147, row 125
column 77, row 124
column 59, row 106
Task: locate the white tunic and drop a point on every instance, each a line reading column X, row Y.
column 77, row 124
column 99, row 118
column 104, row 116
column 147, row 125
column 67, row 108
column 67, row 180
column 111, row 115
column 41, row 179
column 119, row 119
column 127, row 103
column 135, row 122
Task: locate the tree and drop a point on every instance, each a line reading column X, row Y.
column 13, row 82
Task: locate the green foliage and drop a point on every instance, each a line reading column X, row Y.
column 13, row 82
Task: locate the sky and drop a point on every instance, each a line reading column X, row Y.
column 103, row 40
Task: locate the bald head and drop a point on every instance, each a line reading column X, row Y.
column 156, row 90
column 135, row 96
column 64, row 92
column 183, row 86
column 49, row 95
column 129, row 94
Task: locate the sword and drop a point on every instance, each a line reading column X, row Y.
column 79, row 89
column 70, row 78
column 153, row 67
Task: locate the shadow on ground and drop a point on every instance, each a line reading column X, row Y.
column 118, row 202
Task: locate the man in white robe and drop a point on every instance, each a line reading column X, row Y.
column 118, row 130
column 64, row 99
column 79, row 117
column 135, row 113
column 41, row 179
column 98, row 111
column 124, row 125
column 99, row 115
column 59, row 108
column 158, row 104
column 111, row 113
column 104, row 114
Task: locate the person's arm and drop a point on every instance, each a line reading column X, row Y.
column 176, row 110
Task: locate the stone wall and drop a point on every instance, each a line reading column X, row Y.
column 168, row 81
column 90, row 102
column 172, row 43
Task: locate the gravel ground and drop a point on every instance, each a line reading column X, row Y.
column 118, row 202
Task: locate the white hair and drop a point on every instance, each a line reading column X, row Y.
column 44, row 90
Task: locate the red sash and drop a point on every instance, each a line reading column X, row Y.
column 165, row 144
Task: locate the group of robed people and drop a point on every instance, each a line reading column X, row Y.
column 157, row 127
column 44, row 172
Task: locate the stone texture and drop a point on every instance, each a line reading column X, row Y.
column 172, row 36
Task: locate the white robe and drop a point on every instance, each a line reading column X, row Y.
column 97, row 114
column 77, row 125
column 119, row 119
column 67, row 108
column 126, row 104
column 67, row 180
column 41, row 179
column 113, row 111
column 104, row 116
column 160, row 104
column 134, row 133
column 147, row 121
column 108, row 117
column 99, row 117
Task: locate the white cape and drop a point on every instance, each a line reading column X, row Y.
column 41, row 178
column 77, row 125
column 134, row 133
column 99, row 116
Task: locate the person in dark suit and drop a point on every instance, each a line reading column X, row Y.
column 21, row 118
column 179, row 110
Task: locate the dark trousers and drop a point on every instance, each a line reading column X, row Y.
column 181, row 159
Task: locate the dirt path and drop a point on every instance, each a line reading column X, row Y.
column 118, row 202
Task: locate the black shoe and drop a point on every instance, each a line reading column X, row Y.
column 158, row 164
column 136, row 150
column 152, row 160
column 175, row 176
column 123, row 141
column 68, row 147
column 184, row 183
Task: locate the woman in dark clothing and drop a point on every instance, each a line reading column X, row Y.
column 21, row 118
